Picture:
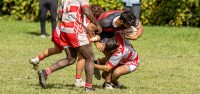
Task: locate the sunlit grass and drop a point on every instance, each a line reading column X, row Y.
column 169, row 62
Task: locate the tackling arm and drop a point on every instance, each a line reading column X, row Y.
column 133, row 35
column 106, row 67
column 87, row 11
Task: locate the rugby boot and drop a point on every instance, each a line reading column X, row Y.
column 42, row 78
column 35, row 63
column 119, row 86
column 79, row 83
column 89, row 89
column 107, row 86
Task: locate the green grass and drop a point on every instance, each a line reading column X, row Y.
column 169, row 62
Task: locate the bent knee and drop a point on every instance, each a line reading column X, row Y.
column 132, row 68
column 116, row 74
column 71, row 60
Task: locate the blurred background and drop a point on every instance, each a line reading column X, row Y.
column 153, row 12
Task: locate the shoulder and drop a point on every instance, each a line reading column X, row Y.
column 105, row 22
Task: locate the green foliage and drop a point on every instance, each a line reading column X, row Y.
column 21, row 9
column 171, row 12
column 154, row 12
column 108, row 4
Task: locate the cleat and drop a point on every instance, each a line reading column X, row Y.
column 42, row 78
column 107, row 86
column 35, row 63
column 89, row 89
column 79, row 83
column 120, row 87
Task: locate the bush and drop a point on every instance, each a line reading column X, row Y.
column 154, row 12
column 108, row 4
column 21, row 9
column 171, row 12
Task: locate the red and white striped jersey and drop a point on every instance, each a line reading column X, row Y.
column 125, row 53
column 72, row 16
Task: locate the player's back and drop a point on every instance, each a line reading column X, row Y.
column 108, row 13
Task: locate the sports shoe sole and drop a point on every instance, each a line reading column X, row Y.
column 89, row 89
column 79, row 85
column 35, row 66
column 42, row 79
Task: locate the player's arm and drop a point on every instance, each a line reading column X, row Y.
column 140, row 29
column 91, row 28
column 87, row 11
column 135, row 33
column 59, row 16
column 106, row 67
column 100, row 46
column 112, row 62
column 60, row 10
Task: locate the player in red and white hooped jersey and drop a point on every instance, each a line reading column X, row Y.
column 123, row 60
column 58, row 48
column 74, row 38
column 96, row 10
column 125, row 53
column 72, row 24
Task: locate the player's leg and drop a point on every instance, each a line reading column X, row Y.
column 136, row 10
column 43, row 13
column 71, row 54
column 53, row 10
column 46, row 53
column 119, row 71
column 51, row 51
column 107, row 76
column 87, row 52
column 79, row 69
column 101, row 61
column 126, row 8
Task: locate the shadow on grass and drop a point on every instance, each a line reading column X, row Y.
column 35, row 33
column 61, row 86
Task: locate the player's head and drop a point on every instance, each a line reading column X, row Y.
column 128, row 19
column 97, row 10
column 111, row 45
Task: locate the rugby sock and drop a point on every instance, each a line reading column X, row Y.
column 48, row 71
column 88, row 85
column 35, row 60
column 40, row 57
column 78, row 76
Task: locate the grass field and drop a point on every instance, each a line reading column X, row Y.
column 169, row 62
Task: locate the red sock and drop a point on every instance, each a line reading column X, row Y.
column 78, row 76
column 40, row 57
column 88, row 85
column 48, row 71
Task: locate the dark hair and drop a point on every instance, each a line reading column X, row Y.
column 97, row 10
column 128, row 17
column 111, row 44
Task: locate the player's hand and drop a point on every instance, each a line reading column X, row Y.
column 100, row 46
column 99, row 29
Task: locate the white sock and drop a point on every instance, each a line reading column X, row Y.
column 78, row 80
column 37, row 59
